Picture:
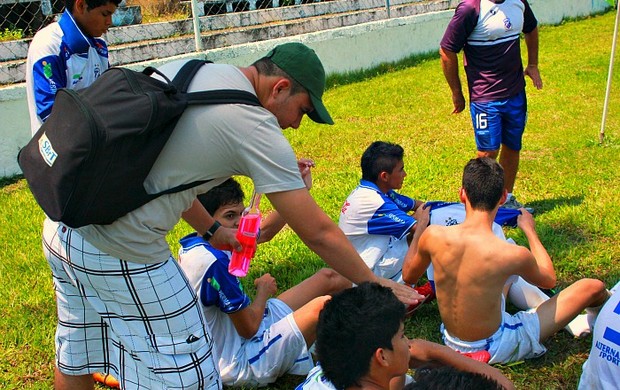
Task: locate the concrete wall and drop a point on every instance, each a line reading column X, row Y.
column 341, row 50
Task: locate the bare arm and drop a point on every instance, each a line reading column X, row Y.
column 324, row 238
column 424, row 352
column 248, row 320
column 450, row 66
column 199, row 219
column 417, row 258
column 542, row 273
column 531, row 41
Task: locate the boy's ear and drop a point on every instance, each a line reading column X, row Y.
column 281, row 85
column 462, row 195
column 383, row 176
column 504, row 197
column 381, row 358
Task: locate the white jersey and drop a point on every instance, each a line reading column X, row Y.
column 277, row 348
column 602, row 369
column 377, row 225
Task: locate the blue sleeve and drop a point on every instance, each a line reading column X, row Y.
column 403, row 202
column 48, row 75
column 390, row 220
column 222, row 289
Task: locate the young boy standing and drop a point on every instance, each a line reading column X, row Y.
column 255, row 342
column 471, row 269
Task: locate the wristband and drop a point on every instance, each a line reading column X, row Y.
column 211, row 231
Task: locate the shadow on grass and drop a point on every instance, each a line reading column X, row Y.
column 544, row 205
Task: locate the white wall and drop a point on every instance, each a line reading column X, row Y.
column 341, row 50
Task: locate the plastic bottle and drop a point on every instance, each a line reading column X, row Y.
column 247, row 234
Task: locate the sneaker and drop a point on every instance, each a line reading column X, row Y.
column 513, row 203
column 480, row 356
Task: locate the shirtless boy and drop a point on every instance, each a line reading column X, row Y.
column 472, row 267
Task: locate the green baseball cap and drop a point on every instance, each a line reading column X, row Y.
column 303, row 65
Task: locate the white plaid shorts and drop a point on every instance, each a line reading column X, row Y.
column 140, row 322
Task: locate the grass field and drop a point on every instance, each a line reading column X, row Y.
column 566, row 175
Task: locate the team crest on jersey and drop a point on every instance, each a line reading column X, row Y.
column 507, row 23
column 450, row 221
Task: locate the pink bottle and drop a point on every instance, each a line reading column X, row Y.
column 247, row 234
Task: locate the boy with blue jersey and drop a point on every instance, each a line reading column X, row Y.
column 375, row 218
column 255, row 342
column 67, row 54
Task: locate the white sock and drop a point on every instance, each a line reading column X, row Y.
column 579, row 327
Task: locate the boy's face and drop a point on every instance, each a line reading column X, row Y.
column 400, row 357
column 229, row 215
column 397, row 176
column 93, row 22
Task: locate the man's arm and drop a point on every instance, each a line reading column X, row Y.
column 450, row 66
column 424, row 352
column 539, row 272
column 200, row 220
column 531, row 41
column 324, row 238
column 417, row 259
column 248, row 320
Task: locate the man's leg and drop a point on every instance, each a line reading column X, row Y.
column 69, row 382
column 326, row 281
column 558, row 311
column 509, row 160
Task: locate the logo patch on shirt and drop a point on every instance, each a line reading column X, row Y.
column 47, row 150
column 507, row 23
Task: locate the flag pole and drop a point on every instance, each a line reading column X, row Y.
column 601, row 135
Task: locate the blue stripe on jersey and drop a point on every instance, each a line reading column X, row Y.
column 612, row 335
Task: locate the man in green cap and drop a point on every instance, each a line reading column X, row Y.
column 124, row 305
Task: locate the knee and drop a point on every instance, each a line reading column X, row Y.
column 317, row 304
column 334, row 280
column 596, row 289
column 487, row 153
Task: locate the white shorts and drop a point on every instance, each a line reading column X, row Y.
column 278, row 348
column 140, row 322
column 515, row 340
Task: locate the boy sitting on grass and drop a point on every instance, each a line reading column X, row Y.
column 378, row 220
column 254, row 342
column 361, row 344
column 472, row 267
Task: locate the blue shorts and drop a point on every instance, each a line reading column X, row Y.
column 499, row 122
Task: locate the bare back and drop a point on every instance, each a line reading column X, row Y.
column 471, row 266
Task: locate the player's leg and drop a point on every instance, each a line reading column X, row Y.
column 307, row 317
column 514, row 118
column 558, row 311
column 326, row 281
column 487, row 124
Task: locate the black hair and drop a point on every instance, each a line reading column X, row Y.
column 266, row 67
column 379, row 157
column 229, row 192
column 90, row 3
column 352, row 326
column 449, row 378
column 483, row 181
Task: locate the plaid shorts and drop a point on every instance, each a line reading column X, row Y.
column 140, row 322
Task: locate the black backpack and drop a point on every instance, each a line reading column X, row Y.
column 88, row 162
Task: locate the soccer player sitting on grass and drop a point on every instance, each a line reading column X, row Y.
column 472, row 267
column 255, row 342
column 361, row 344
column 376, row 219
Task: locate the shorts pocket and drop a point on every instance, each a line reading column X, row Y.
column 190, row 340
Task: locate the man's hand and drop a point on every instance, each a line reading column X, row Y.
column 304, row 165
column 525, row 221
column 266, row 284
column 458, row 100
column 422, row 215
column 534, row 74
column 404, row 293
column 224, row 239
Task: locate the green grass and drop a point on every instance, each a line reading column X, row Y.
column 569, row 178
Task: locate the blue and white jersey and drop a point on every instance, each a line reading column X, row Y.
column 488, row 32
column 602, row 369
column 377, row 225
column 60, row 56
